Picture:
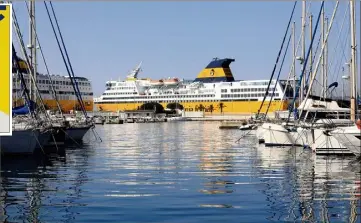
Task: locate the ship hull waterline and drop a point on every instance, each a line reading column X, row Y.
column 211, row 108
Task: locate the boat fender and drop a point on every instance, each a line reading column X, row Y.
column 358, row 124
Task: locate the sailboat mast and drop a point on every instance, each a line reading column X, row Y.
column 303, row 46
column 353, row 60
column 326, row 59
column 323, row 87
column 311, row 57
column 294, row 60
column 32, row 47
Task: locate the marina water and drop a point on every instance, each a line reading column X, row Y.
column 178, row 172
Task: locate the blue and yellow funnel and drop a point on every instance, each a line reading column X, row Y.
column 216, row 71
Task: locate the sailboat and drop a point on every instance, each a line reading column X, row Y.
column 316, row 117
column 63, row 128
column 333, row 139
column 75, row 127
column 26, row 130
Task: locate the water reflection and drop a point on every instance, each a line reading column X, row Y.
column 30, row 185
column 301, row 186
column 186, row 172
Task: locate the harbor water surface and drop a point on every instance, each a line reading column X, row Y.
column 178, row 172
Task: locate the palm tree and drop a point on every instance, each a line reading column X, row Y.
column 211, row 109
column 221, row 106
column 201, row 107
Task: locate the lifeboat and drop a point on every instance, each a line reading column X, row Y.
column 156, row 82
column 172, row 81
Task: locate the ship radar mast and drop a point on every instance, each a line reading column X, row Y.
column 134, row 73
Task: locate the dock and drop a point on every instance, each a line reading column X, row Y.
column 229, row 121
column 231, row 125
column 132, row 116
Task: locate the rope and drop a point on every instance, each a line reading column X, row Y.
column 293, row 65
column 45, row 64
column 305, row 62
column 337, row 42
column 279, row 72
column 26, row 91
column 322, row 49
column 71, row 138
column 30, row 70
column 37, row 140
column 67, row 56
column 77, row 93
column 278, row 56
column 96, row 135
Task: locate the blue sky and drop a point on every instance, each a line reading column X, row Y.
column 173, row 39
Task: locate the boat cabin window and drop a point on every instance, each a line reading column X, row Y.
column 313, row 115
column 325, row 115
column 338, row 115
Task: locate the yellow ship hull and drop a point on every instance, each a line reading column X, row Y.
column 220, row 107
column 66, row 105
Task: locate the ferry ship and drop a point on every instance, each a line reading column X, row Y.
column 214, row 91
column 63, row 87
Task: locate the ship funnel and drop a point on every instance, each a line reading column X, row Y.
column 217, row 70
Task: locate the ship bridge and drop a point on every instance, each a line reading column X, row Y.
column 217, row 70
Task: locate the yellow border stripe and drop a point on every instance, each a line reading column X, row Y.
column 5, row 62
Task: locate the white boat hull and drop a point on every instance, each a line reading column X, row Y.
column 277, row 135
column 349, row 141
column 178, row 119
column 327, row 144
